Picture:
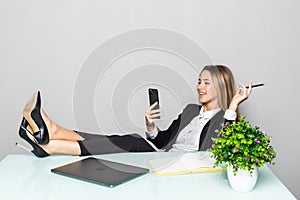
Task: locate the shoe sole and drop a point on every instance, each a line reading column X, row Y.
column 28, row 110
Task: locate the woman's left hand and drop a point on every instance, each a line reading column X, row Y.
column 241, row 95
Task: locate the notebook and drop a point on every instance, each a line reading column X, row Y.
column 184, row 164
column 103, row 172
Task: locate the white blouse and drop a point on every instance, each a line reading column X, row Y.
column 188, row 138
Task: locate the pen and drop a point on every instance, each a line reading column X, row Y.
column 256, row 85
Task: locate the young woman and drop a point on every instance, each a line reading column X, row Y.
column 191, row 131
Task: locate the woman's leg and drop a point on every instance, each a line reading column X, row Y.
column 69, row 147
column 38, row 119
column 92, row 144
column 57, row 132
column 62, row 147
column 101, row 144
column 65, row 141
column 62, row 140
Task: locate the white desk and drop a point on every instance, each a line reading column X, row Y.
column 28, row 177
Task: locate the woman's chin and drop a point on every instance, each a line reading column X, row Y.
column 202, row 101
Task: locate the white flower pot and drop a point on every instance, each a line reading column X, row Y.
column 243, row 181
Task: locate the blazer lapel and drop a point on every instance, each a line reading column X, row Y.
column 186, row 117
column 209, row 129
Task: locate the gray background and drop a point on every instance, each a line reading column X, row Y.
column 44, row 45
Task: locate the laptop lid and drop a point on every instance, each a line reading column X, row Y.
column 100, row 171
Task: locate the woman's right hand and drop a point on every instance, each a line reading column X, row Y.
column 151, row 116
column 241, row 95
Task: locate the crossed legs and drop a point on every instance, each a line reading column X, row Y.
column 62, row 140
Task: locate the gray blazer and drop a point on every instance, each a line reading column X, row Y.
column 166, row 138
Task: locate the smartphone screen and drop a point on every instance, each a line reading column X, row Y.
column 153, row 97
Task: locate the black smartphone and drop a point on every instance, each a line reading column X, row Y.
column 153, row 97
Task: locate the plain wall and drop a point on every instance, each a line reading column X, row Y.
column 45, row 45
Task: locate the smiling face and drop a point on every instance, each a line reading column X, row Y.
column 208, row 96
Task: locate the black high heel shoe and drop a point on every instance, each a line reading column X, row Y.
column 25, row 134
column 32, row 113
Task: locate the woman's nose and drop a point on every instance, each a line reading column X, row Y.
column 200, row 86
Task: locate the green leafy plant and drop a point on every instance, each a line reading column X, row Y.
column 242, row 146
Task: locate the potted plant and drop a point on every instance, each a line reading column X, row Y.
column 243, row 148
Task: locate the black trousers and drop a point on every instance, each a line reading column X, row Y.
column 94, row 144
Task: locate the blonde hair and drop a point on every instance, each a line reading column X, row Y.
column 223, row 82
